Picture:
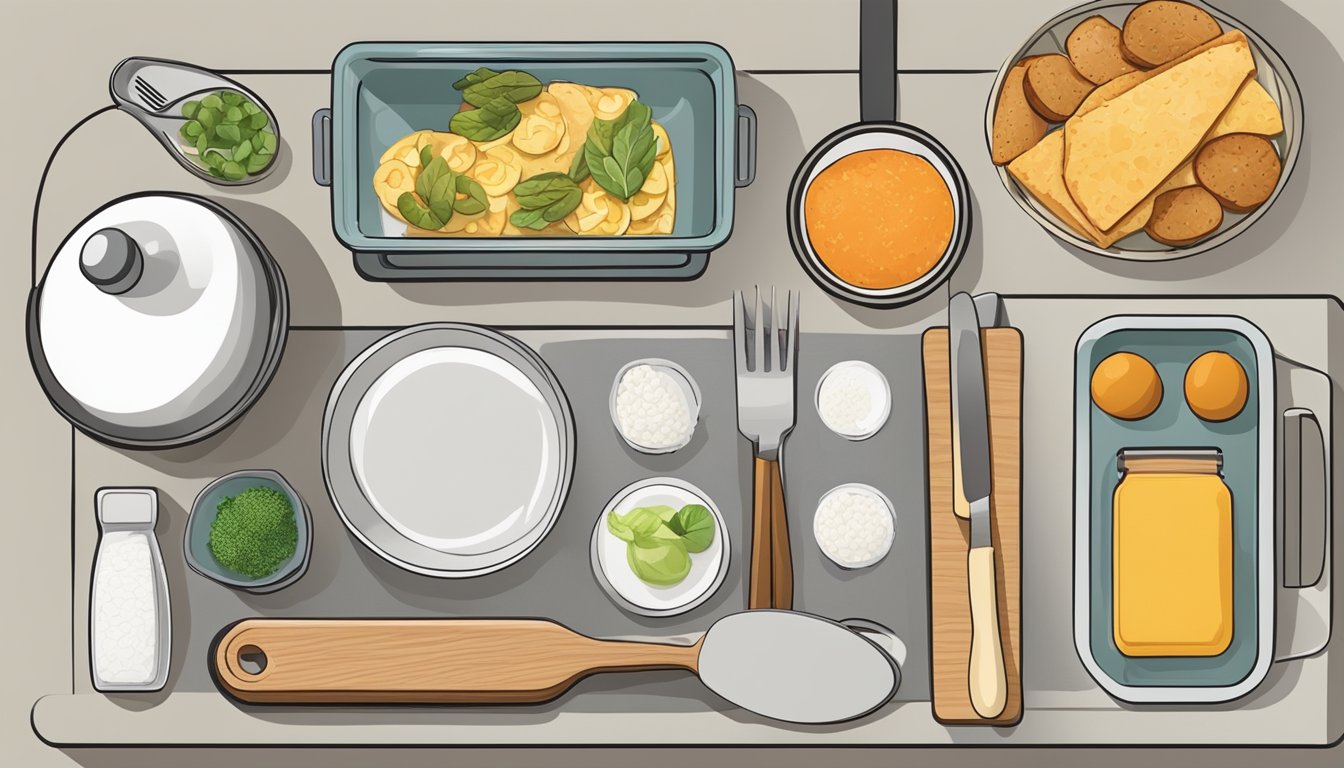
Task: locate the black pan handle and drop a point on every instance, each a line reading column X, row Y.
column 877, row 61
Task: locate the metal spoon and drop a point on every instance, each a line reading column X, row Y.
column 780, row 664
column 153, row 90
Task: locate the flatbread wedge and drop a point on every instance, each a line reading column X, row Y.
column 1118, row 153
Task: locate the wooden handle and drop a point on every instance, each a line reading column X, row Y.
column 450, row 661
column 781, row 556
column 988, row 682
column 760, row 582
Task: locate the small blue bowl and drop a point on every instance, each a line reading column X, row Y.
column 196, row 545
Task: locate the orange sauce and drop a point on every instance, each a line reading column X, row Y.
column 880, row 218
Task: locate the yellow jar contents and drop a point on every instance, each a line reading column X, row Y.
column 1172, row 554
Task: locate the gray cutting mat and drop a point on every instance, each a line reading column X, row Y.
column 282, row 432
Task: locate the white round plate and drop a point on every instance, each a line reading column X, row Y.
column 448, row 449
column 708, row 568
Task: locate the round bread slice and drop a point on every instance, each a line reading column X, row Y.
column 1017, row 127
column 1240, row 169
column 1183, row 216
column 1094, row 50
column 1161, row 30
column 1054, row 88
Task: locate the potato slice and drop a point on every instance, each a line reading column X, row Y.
column 457, row 151
column 664, row 142
column 392, row 179
column 599, row 213
column 541, row 127
column 609, row 103
column 660, row 222
column 405, row 149
column 656, row 182
column 497, row 171
column 644, row 204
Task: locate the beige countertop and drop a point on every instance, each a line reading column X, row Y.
column 797, row 65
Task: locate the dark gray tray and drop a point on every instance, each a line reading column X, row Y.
column 556, row 580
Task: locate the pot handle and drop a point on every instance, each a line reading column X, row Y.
column 744, row 167
column 1304, row 617
column 322, row 147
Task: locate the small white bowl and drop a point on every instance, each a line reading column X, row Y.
column 864, row 489
column 878, row 389
column 708, row 568
column 689, row 389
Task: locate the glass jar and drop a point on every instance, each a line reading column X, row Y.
column 1172, row 553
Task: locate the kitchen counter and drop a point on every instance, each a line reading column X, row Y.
column 801, row 77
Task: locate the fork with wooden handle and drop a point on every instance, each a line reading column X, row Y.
column 765, row 343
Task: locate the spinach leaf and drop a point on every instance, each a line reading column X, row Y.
column 620, row 153
column 662, row 562
column 416, row 213
column 513, row 85
column 578, row 170
column 491, row 121
column 475, row 200
column 471, row 78
column 544, row 199
column 694, row 523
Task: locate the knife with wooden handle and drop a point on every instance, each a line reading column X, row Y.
column 988, row 678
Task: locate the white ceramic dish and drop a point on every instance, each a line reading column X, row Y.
column 708, row 568
column 864, row 489
column 879, row 390
column 448, row 449
column 1272, row 72
column 689, row 389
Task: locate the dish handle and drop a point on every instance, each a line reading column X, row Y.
column 1304, row 602
column 744, row 164
column 322, row 147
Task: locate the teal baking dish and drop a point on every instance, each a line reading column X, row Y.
column 382, row 91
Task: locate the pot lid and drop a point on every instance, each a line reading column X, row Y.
column 155, row 319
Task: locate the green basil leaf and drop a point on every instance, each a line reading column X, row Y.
column 430, row 174
column 620, row 153
column 190, row 109
column 207, row 117
column 662, row 563
column 250, row 109
column 241, row 151
column 694, row 523
column 233, row 171
column 578, row 170
column 513, row 85
column 257, row 121
column 548, row 189
column 213, row 101
column 257, row 163
column 228, row 133
column 267, row 142
column 534, row 219
column 231, row 98
column 492, row 120
column 442, row 196
column 471, row 78
column 416, row 213
column 475, row 200
column 233, row 114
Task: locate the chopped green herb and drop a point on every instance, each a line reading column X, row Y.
column 229, row 123
column 255, row 532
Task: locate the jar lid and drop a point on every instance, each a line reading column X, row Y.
column 155, row 319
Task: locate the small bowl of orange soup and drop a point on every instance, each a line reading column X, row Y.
column 879, row 214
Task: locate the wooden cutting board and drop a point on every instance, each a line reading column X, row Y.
column 949, row 535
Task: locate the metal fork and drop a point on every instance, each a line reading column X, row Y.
column 765, row 344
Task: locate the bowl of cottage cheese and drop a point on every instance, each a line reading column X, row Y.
column 655, row 405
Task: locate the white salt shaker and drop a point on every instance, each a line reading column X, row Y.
column 130, row 627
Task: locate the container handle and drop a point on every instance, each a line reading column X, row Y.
column 744, row 169
column 1305, row 615
column 322, row 147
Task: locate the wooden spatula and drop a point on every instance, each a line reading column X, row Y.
column 781, row 664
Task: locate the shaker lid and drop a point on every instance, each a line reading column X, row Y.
column 152, row 313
